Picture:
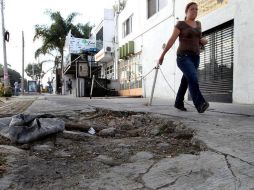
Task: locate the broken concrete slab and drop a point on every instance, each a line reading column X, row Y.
column 223, row 133
column 205, row 171
column 141, row 156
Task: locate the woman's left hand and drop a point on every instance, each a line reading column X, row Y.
column 203, row 41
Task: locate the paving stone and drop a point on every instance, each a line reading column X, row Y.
column 109, row 132
column 163, row 146
column 43, row 147
column 108, row 160
column 75, row 135
column 141, row 156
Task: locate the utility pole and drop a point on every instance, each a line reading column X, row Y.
column 23, row 55
column 120, row 6
column 6, row 76
column 33, row 71
column 116, row 41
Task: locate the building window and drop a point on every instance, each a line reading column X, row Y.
column 109, row 72
column 130, row 74
column 127, row 26
column 155, row 6
column 109, row 69
column 99, row 39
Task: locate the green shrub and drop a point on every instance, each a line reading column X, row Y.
column 5, row 92
column 1, row 89
column 8, row 91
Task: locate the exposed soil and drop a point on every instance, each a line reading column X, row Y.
column 11, row 108
column 58, row 161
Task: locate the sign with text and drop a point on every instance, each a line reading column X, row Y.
column 76, row 45
column 83, row 70
column 207, row 6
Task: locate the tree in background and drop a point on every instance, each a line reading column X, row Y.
column 53, row 36
column 36, row 72
column 13, row 75
column 84, row 31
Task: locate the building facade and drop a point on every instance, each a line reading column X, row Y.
column 225, row 71
column 92, row 59
column 104, row 35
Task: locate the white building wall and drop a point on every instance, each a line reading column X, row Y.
column 150, row 34
column 106, row 53
column 108, row 28
column 243, row 87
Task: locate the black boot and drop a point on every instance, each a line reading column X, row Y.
column 182, row 108
column 203, row 107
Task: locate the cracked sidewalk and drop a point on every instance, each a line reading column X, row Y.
column 227, row 131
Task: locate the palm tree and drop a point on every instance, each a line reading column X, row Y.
column 34, row 70
column 84, row 31
column 53, row 36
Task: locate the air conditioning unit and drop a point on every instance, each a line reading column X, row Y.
column 130, row 48
column 108, row 49
column 121, row 52
column 125, row 49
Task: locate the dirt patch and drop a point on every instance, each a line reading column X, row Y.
column 2, row 164
column 14, row 107
column 4, row 141
column 61, row 161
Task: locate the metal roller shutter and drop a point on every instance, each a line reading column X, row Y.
column 216, row 64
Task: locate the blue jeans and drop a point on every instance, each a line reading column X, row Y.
column 188, row 64
column 16, row 91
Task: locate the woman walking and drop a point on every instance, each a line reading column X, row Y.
column 190, row 41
